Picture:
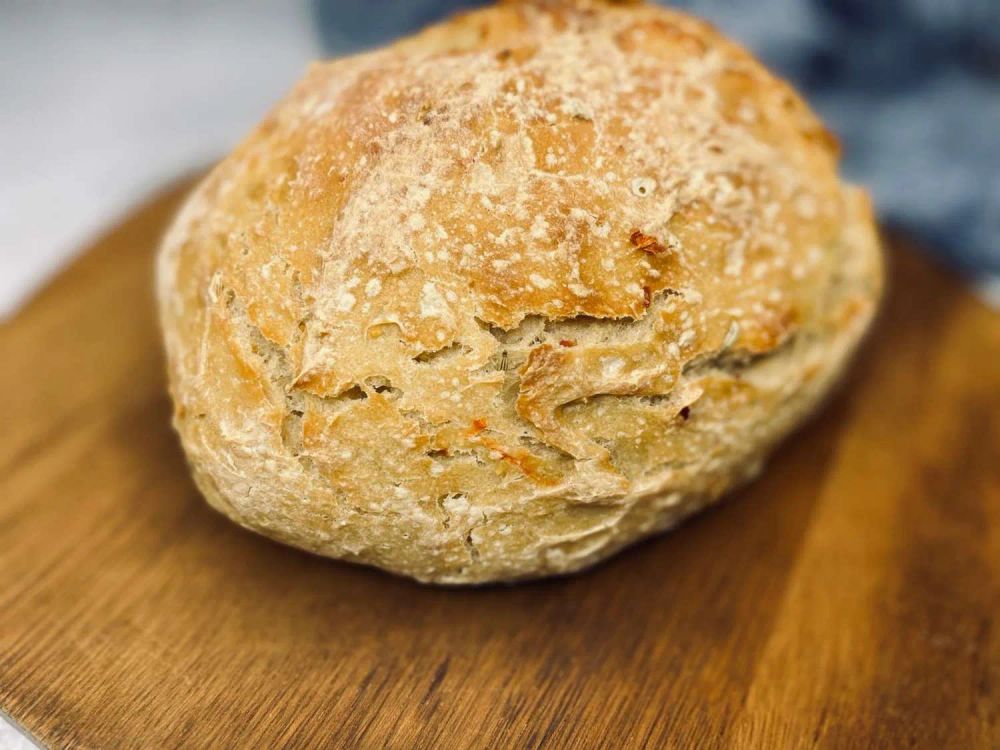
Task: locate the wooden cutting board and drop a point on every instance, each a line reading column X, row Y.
column 850, row 598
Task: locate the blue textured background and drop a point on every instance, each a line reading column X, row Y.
column 912, row 87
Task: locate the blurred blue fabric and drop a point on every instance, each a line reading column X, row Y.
column 912, row 87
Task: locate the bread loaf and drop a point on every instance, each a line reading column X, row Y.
column 508, row 295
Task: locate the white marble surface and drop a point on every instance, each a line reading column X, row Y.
column 103, row 102
column 12, row 739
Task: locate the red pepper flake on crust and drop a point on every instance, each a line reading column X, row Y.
column 646, row 243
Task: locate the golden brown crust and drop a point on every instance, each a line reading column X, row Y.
column 503, row 297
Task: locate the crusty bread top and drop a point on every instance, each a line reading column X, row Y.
column 616, row 192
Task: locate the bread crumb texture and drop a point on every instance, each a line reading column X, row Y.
column 503, row 297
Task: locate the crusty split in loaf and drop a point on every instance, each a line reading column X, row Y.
column 503, row 297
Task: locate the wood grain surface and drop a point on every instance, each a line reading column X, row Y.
column 849, row 598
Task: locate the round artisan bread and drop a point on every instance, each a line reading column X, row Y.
column 503, row 297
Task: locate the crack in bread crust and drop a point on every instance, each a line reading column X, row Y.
column 504, row 297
